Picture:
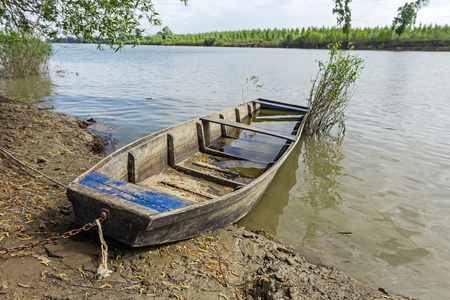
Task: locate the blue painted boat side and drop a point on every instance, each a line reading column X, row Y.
column 130, row 192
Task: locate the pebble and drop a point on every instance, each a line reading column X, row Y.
column 3, row 289
column 290, row 261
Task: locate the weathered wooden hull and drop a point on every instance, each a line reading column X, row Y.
column 137, row 221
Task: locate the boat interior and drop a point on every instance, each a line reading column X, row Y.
column 229, row 152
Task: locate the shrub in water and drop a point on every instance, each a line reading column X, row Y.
column 22, row 55
column 331, row 90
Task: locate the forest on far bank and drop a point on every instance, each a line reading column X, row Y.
column 421, row 37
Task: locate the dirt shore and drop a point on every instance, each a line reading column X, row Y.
column 231, row 263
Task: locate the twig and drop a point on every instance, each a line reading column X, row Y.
column 9, row 156
column 25, row 203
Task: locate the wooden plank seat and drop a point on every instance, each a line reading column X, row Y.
column 157, row 201
column 277, row 119
column 251, row 155
column 282, row 105
column 171, row 162
column 248, row 127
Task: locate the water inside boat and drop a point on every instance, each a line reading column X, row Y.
column 236, row 158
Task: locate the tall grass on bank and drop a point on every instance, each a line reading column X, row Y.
column 22, row 55
column 331, row 90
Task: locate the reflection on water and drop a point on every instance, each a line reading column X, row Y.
column 318, row 187
column 35, row 88
column 265, row 216
column 309, row 181
column 321, row 165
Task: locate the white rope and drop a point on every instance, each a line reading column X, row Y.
column 102, row 270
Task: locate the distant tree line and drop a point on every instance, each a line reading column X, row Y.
column 422, row 36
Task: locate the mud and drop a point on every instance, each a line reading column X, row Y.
column 230, row 263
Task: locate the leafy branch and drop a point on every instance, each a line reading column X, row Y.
column 91, row 20
column 251, row 84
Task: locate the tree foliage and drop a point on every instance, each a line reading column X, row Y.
column 106, row 21
column 407, row 15
column 165, row 33
column 344, row 15
column 331, row 90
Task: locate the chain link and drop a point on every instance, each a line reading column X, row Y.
column 68, row 234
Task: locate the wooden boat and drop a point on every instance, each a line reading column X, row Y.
column 190, row 178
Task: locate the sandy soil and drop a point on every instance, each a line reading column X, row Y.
column 231, row 263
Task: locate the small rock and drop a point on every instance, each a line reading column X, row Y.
column 279, row 277
column 248, row 235
column 269, row 257
column 273, row 268
column 261, row 271
column 67, row 209
column 3, row 289
column 383, row 291
column 290, row 261
column 42, row 224
column 287, row 251
column 146, row 283
column 268, row 286
column 41, row 160
column 6, row 227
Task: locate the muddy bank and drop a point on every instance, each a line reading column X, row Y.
column 231, row 263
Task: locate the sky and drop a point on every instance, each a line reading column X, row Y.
column 219, row 15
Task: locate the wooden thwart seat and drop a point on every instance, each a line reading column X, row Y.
column 276, row 120
column 212, row 167
column 192, row 172
column 283, row 105
column 248, row 127
column 204, row 149
column 159, row 202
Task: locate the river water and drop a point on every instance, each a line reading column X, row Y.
column 374, row 203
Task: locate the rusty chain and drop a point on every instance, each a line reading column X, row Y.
column 86, row 227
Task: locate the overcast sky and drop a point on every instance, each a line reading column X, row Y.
column 220, row 15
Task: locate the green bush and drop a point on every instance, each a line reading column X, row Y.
column 22, row 55
column 331, row 90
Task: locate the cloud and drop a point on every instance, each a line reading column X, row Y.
column 207, row 15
